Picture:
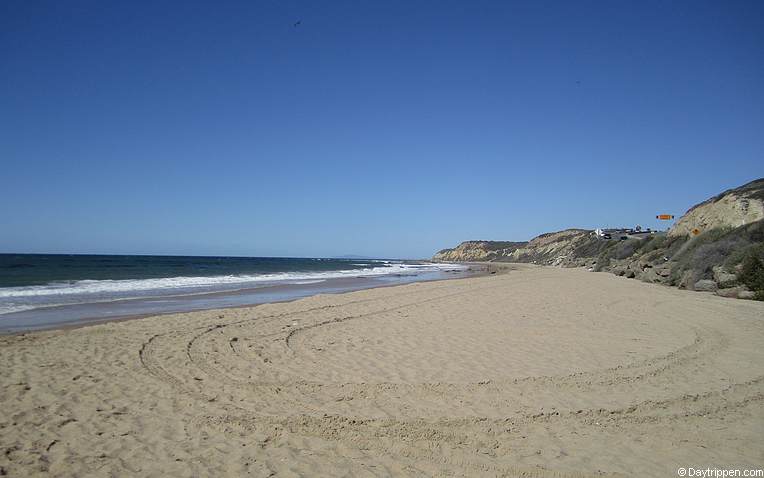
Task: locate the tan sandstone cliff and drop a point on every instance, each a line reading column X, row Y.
column 732, row 208
column 551, row 248
column 477, row 251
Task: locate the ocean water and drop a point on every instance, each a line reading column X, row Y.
column 39, row 290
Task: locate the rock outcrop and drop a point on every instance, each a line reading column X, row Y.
column 477, row 251
column 552, row 248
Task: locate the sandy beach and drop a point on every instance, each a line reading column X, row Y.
column 539, row 372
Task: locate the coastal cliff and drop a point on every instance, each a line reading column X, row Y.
column 550, row 248
column 478, row 251
column 732, row 208
column 716, row 246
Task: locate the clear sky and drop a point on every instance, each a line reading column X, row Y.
column 377, row 128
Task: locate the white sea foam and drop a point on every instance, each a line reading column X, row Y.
column 10, row 308
column 16, row 299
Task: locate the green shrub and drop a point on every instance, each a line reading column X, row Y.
column 627, row 248
column 706, row 257
column 736, row 257
column 687, row 249
column 675, row 244
column 752, row 272
column 693, row 258
column 674, row 277
column 607, row 252
column 747, row 239
column 656, row 241
column 591, row 246
column 722, row 246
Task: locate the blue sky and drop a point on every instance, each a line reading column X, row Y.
column 377, row 128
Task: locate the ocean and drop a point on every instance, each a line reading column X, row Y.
column 48, row 290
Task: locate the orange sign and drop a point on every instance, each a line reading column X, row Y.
column 664, row 216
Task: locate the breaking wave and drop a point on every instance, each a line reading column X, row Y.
column 16, row 299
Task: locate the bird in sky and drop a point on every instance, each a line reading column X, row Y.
column 297, row 23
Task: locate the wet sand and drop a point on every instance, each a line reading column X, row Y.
column 87, row 313
column 535, row 372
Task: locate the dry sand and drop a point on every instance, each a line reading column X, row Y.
column 537, row 372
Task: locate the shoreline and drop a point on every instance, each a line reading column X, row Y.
column 329, row 286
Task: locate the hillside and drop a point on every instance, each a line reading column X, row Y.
column 478, row 251
column 716, row 246
column 732, row 208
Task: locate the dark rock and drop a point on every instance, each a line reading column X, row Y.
column 686, row 280
column 721, row 276
column 663, row 271
column 705, row 285
column 731, row 292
